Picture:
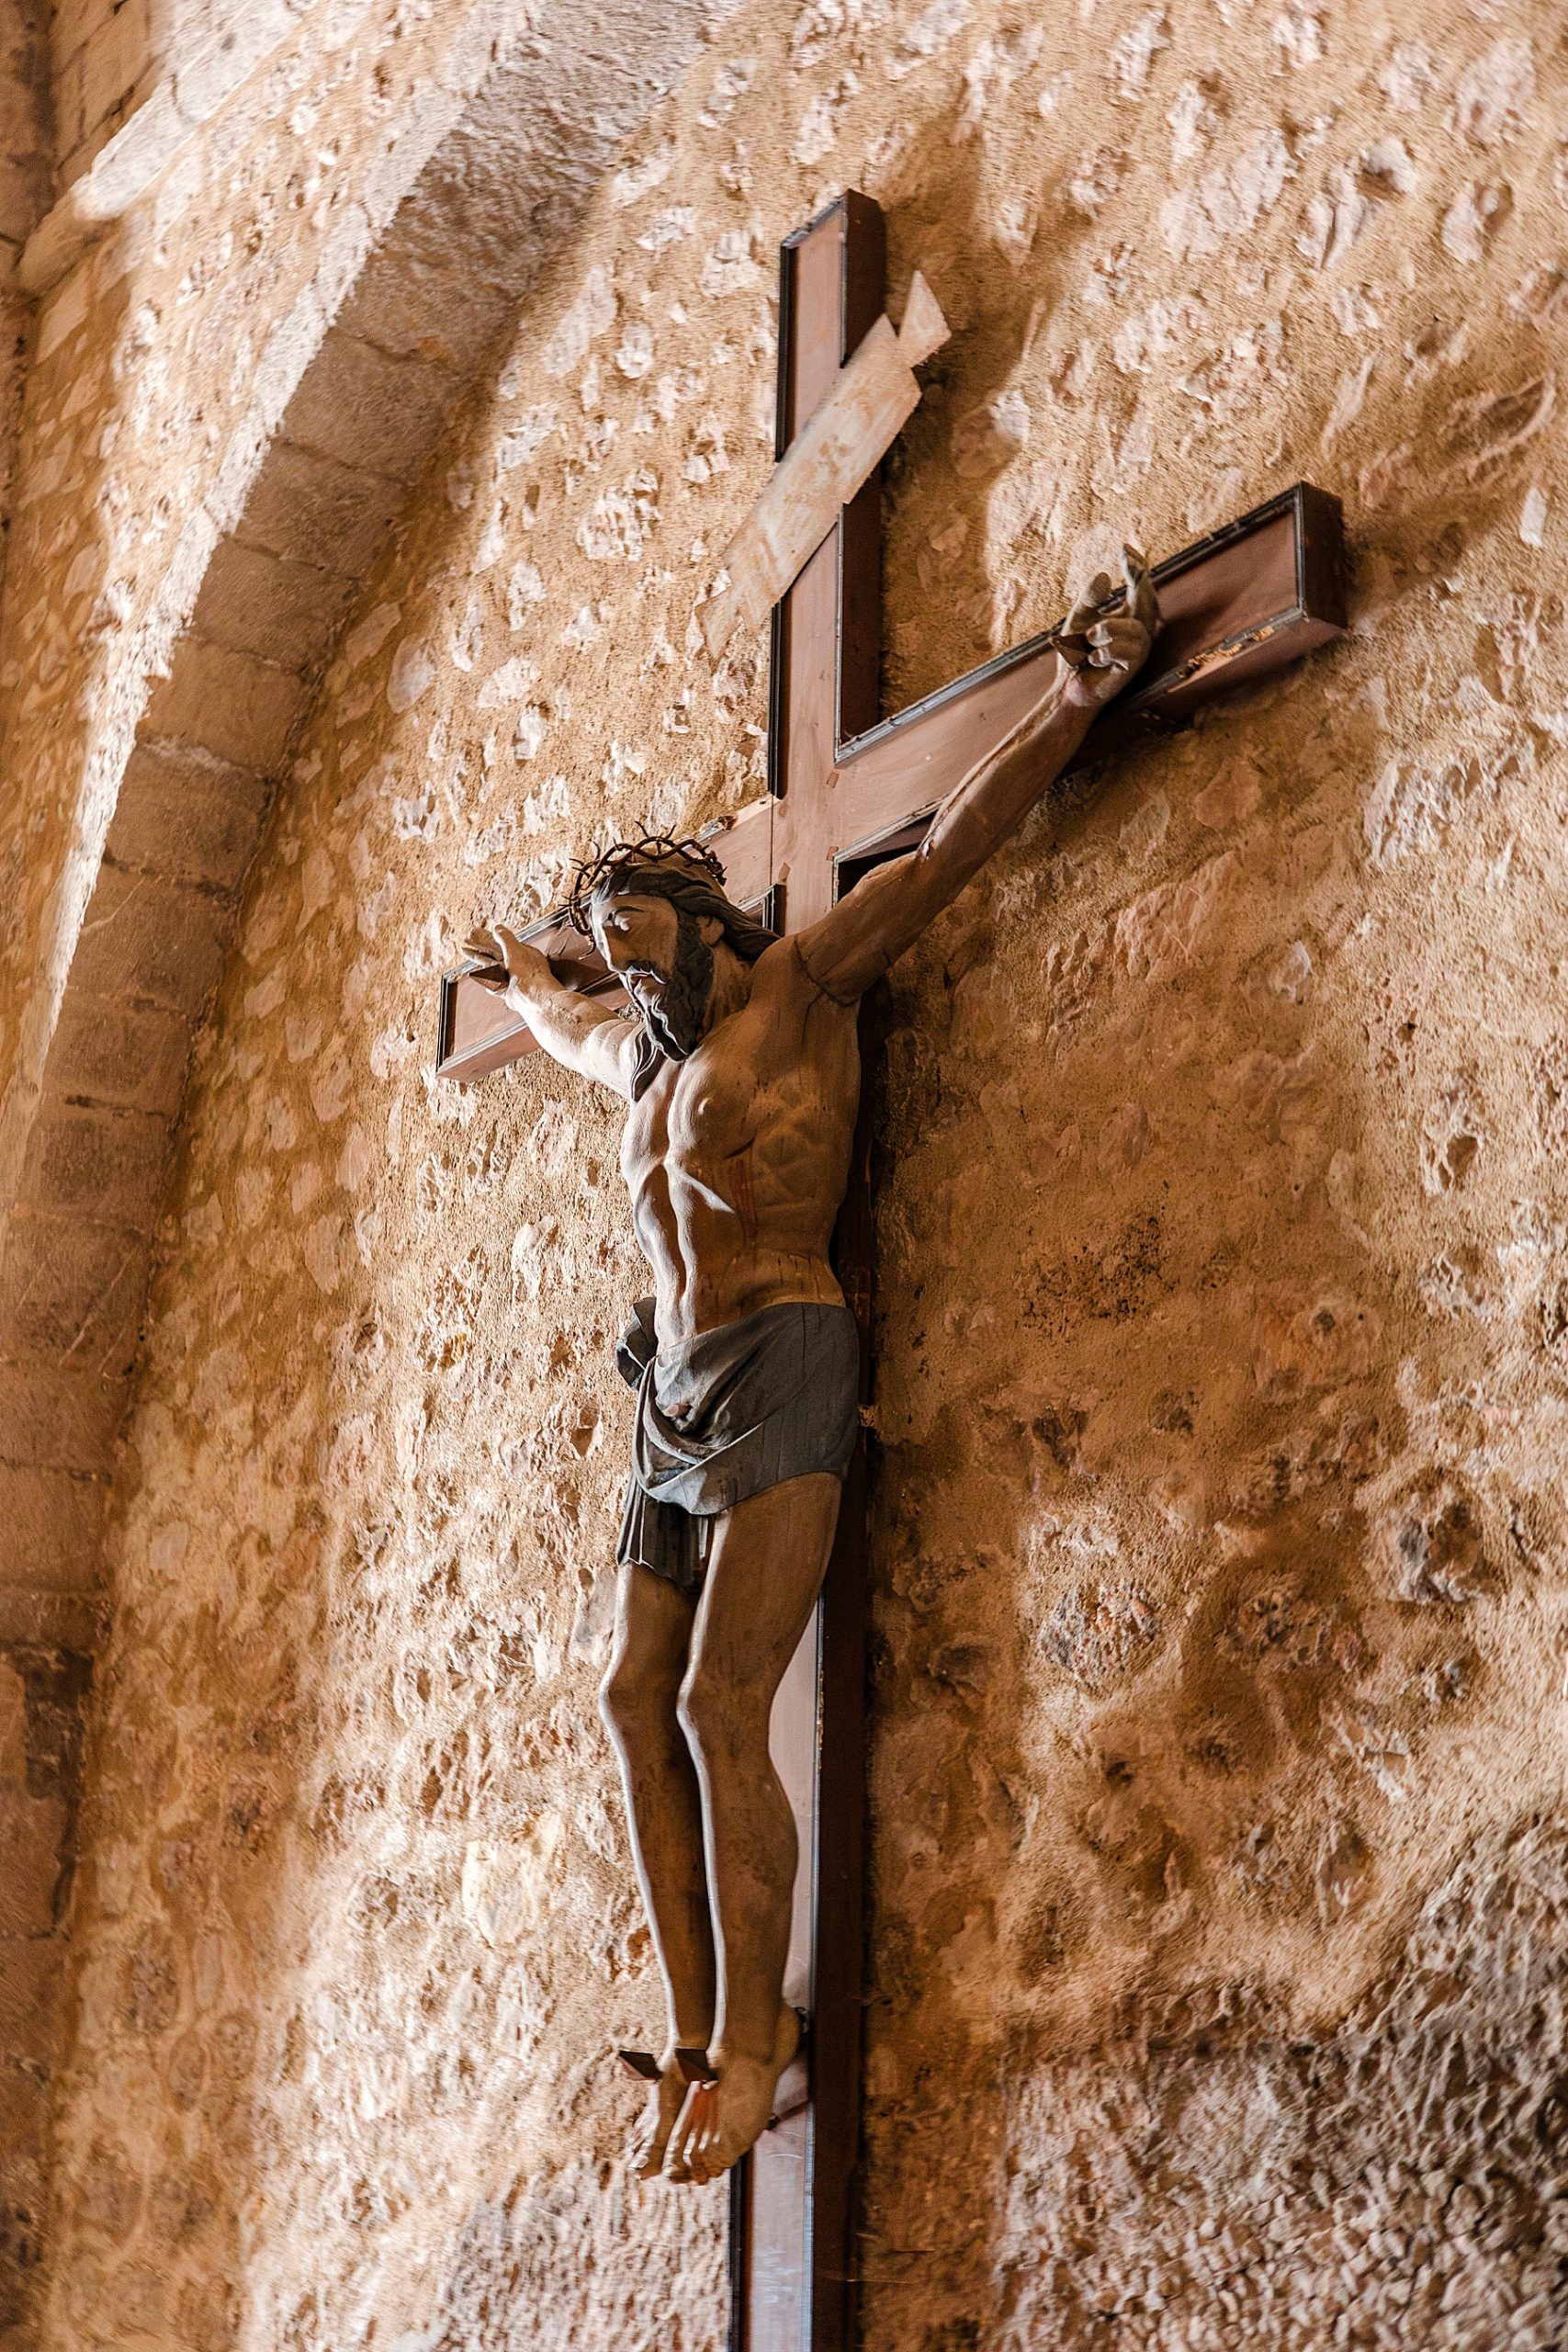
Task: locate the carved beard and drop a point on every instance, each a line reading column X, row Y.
column 675, row 1023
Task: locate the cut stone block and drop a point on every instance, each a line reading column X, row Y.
column 21, row 128
column 255, row 601
column 466, row 213
column 410, row 141
column 214, row 67
column 32, row 1839
column 72, row 1294
column 108, row 1051
column 487, row 30
column 320, row 511
column 243, row 709
column 126, row 167
column 356, row 403
column 59, row 319
column 286, row 353
column 32, row 1994
column 50, row 1529
column 113, row 61
column 24, row 194
column 416, row 304
column 186, row 815
column 150, row 941
column 60, row 1420
column 70, row 129
column 114, row 1052
column 29, row 1620
column 109, row 1164
column 343, row 256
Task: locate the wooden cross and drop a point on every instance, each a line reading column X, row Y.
column 846, row 788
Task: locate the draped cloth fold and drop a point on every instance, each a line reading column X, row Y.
column 727, row 1414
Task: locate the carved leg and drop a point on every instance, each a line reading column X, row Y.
column 766, row 1570
column 640, row 1701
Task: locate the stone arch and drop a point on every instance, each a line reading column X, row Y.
column 486, row 174
column 489, row 171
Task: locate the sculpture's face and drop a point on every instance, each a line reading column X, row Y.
column 664, row 960
column 637, row 936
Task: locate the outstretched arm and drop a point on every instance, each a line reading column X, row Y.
column 585, row 1037
column 882, row 916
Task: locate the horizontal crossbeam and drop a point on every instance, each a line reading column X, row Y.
column 1234, row 608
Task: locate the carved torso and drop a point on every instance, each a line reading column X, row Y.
column 736, row 1158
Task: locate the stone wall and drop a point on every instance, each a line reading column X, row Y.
column 160, row 672
column 109, row 58
column 120, row 439
column 1219, row 1880
column 154, row 342
column 40, row 1689
column 103, row 65
column 26, row 186
column 26, row 177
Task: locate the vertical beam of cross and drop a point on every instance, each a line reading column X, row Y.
column 1253, row 597
column 793, row 2217
column 827, row 650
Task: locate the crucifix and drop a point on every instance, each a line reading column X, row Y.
column 850, row 791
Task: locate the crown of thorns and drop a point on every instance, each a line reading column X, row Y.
column 651, row 848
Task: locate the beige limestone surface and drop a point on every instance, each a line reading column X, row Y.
column 1220, row 1878
column 147, row 370
column 133, row 806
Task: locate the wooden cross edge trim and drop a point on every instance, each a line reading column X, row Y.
column 1319, row 603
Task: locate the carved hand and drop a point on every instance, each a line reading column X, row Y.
column 1102, row 650
column 504, row 957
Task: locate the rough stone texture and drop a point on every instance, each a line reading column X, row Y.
column 42, row 1686
column 167, row 789
column 132, row 816
column 1219, row 1868
column 25, row 153
column 129, row 79
column 154, row 345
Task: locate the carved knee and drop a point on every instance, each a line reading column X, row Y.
column 720, row 1717
column 619, row 1700
column 637, row 1709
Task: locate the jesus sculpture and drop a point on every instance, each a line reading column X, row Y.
column 738, row 1058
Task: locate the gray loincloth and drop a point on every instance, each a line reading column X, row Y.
column 770, row 1397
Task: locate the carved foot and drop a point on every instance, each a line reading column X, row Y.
column 666, row 2091
column 699, row 2084
column 721, row 2120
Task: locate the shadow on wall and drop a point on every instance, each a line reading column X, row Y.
column 1179, row 1741
column 1402, row 2171
column 1177, row 1615
column 971, row 425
